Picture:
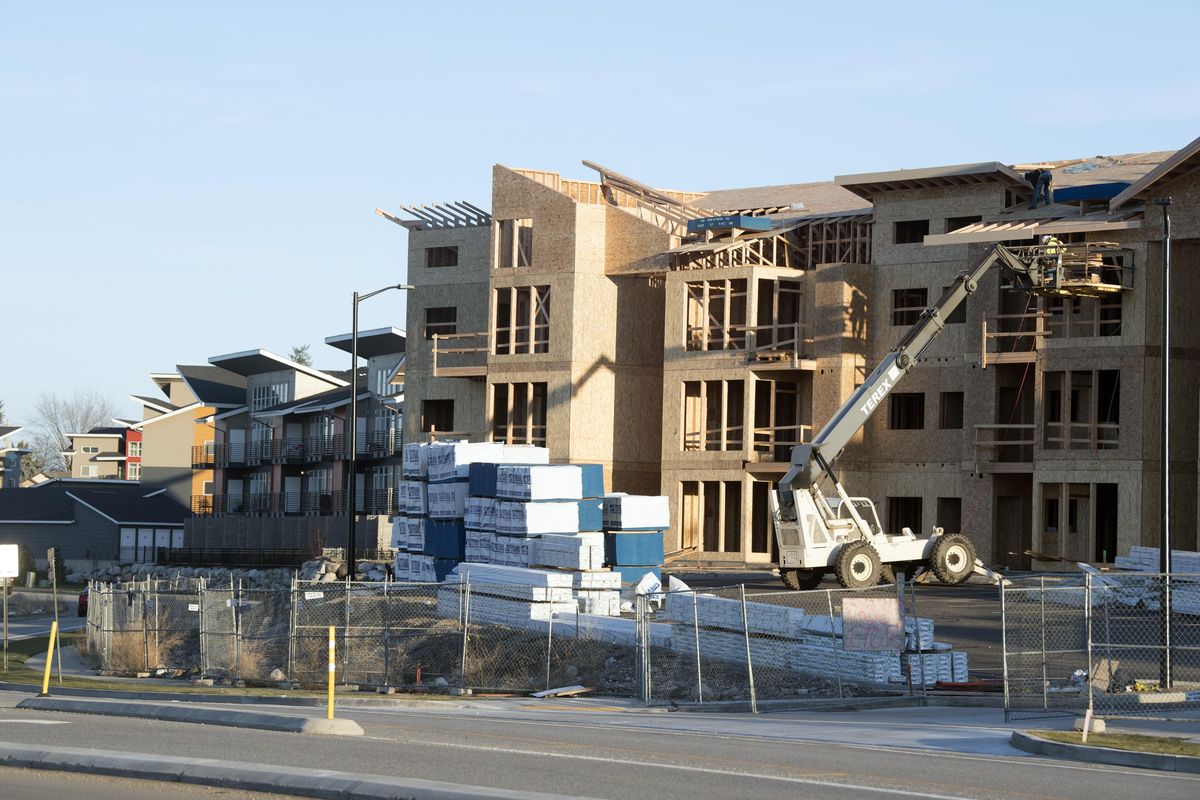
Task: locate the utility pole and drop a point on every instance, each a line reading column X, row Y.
column 1164, row 502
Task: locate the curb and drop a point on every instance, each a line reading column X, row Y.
column 343, row 700
column 1104, row 755
column 247, row 777
column 202, row 716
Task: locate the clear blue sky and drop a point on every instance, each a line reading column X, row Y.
column 183, row 180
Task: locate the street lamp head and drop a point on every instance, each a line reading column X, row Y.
column 1162, row 201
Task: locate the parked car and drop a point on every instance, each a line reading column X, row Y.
column 83, row 598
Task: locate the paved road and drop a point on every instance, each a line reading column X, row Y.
column 29, row 784
column 33, row 627
column 597, row 749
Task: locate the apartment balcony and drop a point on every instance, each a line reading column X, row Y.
column 380, row 501
column 202, row 505
column 1082, row 436
column 784, row 347
column 381, row 444
column 324, row 448
column 1012, row 338
column 459, row 355
column 204, row 456
column 1005, row 448
column 229, row 455
column 289, row 450
column 323, row 503
column 774, row 445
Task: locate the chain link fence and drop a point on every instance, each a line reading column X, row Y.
column 1115, row 644
column 689, row 646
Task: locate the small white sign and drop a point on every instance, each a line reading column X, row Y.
column 872, row 623
column 193, row 606
column 313, row 595
column 8, row 561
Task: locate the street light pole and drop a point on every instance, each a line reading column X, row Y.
column 1164, row 500
column 352, row 437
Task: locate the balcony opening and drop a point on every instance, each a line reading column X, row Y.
column 716, row 315
column 907, row 305
column 514, row 243
column 712, row 415
column 522, row 320
column 519, row 413
column 949, row 514
column 780, row 419
column 951, row 411
column 711, row 518
column 441, row 321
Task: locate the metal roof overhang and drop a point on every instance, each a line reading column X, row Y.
column 377, row 342
column 256, row 362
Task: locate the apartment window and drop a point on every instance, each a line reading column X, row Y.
column 522, row 320
column 1050, row 515
column 959, row 315
column 949, row 514
column 437, row 415
column 907, row 305
column 711, row 516
column 90, row 449
column 441, row 321
column 912, row 231
column 206, row 487
column 716, row 315
column 954, row 223
column 519, row 413
column 712, row 415
column 441, row 256
column 514, row 243
column 1081, row 410
column 210, row 448
column 951, row 416
column 133, row 471
column 904, row 512
column 134, row 449
column 89, row 471
column 379, row 381
column 266, row 396
column 906, row 411
column 320, row 481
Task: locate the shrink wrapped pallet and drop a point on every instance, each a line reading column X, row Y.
column 531, row 519
column 447, row 500
column 627, row 512
column 479, row 513
column 452, row 461
column 568, row 551
column 414, row 498
column 539, row 482
column 633, row 548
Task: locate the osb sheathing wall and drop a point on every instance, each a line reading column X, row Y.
column 601, row 370
column 466, row 288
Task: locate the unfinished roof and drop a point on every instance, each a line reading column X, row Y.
column 377, row 342
column 870, row 184
column 457, row 214
column 214, row 386
column 1183, row 161
column 1027, row 223
column 819, row 198
column 256, row 362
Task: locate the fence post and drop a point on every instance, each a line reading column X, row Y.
column 157, row 623
column 1087, row 617
column 293, row 601
column 237, row 628
column 145, row 628
column 1004, row 645
column 200, row 583
column 1045, row 688
column 464, row 602
column 549, row 646
column 696, row 633
column 346, row 629
column 837, row 656
column 645, row 663
column 749, row 662
column 387, row 627
column 920, row 641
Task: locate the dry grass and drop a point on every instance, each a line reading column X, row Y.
column 1167, row 745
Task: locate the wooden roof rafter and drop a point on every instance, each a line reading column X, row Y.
column 455, row 214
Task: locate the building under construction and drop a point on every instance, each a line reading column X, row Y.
column 687, row 340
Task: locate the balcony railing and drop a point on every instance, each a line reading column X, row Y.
column 381, row 444
column 229, row 454
column 1005, row 444
column 1082, row 435
column 204, row 456
column 459, row 355
column 1012, row 338
column 202, row 504
column 775, row 444
column 784, row 345
column 380, row 501
column 271, row 503
column 289, row 450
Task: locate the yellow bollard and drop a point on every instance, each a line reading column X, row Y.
column 332, row 668
column 49, row 659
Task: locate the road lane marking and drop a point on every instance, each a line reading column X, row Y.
column 850, row 787
column 35, row 722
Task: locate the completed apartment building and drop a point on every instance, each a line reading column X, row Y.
column 687, row 340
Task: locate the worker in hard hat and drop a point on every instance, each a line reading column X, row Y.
column 1052, row 251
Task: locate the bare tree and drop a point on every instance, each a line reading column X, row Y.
column 54, row 417
column 301, row 355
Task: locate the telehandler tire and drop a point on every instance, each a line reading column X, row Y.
column 858, row 565
column 801, row 580
column 953, row 558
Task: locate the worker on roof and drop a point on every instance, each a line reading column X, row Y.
column 1040, row 179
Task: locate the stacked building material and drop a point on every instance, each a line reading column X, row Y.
column 613, row 630
column 634, row 531
column 598, row 593
column 786, row 637
column 510, row 596
column 1185, row 583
